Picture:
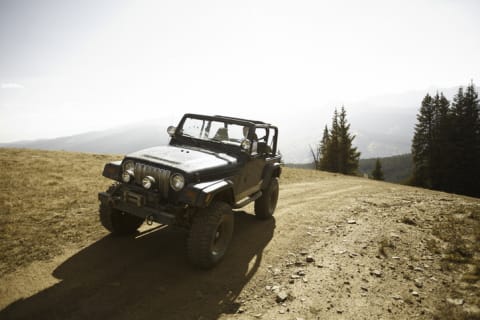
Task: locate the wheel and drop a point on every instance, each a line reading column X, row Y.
column 210, row 235
column 118, row 222
column 266, row 204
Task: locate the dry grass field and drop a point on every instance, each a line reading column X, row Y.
column 48, row 199
column 375, row 250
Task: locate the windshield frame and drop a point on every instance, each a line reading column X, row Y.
column 179, row 139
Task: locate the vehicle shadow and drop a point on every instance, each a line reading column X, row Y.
column 149, row 277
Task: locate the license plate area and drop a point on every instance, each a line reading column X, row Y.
column 134, row 198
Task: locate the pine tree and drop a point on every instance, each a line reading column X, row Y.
column 465, row 141
column 333, row 145
column 377, row 173
column 422, row 151
column 337, row 152
column 323, row 163
column 348, row 155
column 441, row 147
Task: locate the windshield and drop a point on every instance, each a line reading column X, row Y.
column 212, row 130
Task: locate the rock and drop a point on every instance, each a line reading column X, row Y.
column 418, row 283
column 364, row 288
column 291, row 281
column 303, row 253
column 395, row 257
column 319, row 265
column 282, row 296
column 418, row 269
column 304, row 279
column 301, row 273
column 397, row 297
column 352, row 221
column 376, row 273
column 472, row 311
column 240, row 310
column 415, row 293
column 276, row 271
column 294, row 276
column 258, row 315
column 457, row 302
column 268, row 288
column 310, row 259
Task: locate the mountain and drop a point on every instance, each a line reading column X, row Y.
column 122, row 140
column 383, row 126
column 395, row 169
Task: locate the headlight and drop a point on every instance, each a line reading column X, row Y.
column 148, row 182
column 128, row 171
column 177, row 181
column 127, row 176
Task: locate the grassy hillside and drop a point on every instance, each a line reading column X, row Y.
column 395, row 169
column 47, row 198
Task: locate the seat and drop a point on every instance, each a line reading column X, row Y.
column 222, row 134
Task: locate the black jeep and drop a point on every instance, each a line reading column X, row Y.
column 211, row 165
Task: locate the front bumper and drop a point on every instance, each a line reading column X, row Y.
column 134, row 204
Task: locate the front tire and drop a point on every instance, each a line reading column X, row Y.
column 266, row 204
column 210, row 235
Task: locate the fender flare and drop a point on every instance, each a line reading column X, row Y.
column 270, row 171
column 201, row 194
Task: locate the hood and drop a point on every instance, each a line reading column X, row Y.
column 185, row 159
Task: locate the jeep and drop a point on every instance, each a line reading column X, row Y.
column 212, row 164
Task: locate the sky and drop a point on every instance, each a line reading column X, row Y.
column 68, row 67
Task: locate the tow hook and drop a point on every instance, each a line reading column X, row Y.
column 149, row 220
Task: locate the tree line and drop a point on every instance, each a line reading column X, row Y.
column 446, row 143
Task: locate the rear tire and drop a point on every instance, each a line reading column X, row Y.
column 118, row 222
column 266, row 204
column 210, row 235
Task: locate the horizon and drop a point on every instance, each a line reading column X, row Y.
column 70, row 68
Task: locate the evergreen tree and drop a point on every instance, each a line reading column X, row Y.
column 337, row 152
column 323, row 163
column 422, row 150
column 348, row 155
column 377, row 173
column 465, row 142
column 441, row 147
column 333, row 145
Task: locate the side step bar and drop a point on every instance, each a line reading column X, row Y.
column 247, row 200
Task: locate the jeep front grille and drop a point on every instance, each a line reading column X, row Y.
column 162, row 177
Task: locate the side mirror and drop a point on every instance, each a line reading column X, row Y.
column 171, row 130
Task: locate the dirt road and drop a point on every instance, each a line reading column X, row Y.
column 338, row 248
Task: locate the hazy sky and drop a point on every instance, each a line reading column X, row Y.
column 73, row 66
